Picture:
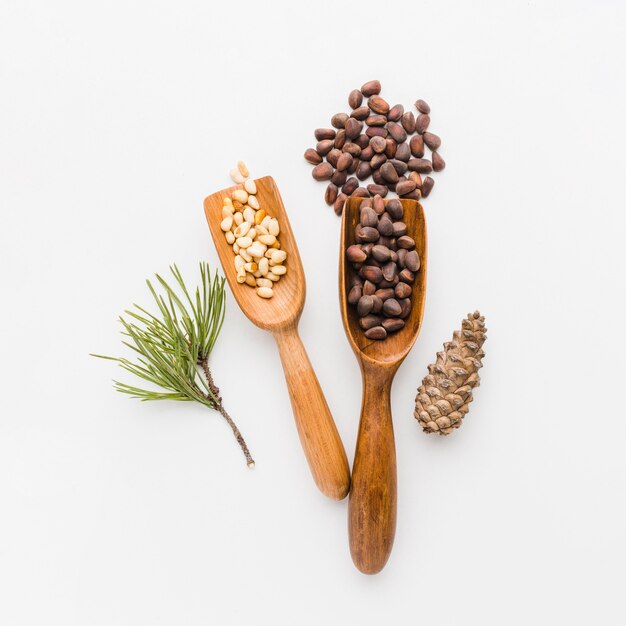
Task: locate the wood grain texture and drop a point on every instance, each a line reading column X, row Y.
column 320, row 440
column 373, row 495
column 318, row 434
column 373, row 500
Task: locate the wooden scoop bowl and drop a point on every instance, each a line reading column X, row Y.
column 280, row 315
column 373, row 500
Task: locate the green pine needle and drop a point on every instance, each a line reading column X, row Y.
column 172, row 347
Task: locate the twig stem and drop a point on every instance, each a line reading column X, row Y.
column 219, row 407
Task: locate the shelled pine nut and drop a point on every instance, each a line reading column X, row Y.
column 254, row 235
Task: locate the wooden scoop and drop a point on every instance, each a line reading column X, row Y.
column 372, row 506
column 280, row 315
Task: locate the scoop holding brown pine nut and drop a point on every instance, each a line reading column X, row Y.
column 385, row 264
column 377, row 141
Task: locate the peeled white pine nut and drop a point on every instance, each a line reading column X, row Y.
column 243, row 169
column 242, row 229
column 257, row 249
column 248, row 215
column 237, row 176
column 274, row 228
column 259, row 216
column 265, row 292
column 253, row 236
column 244, row 242
column 278, row 257
column 241, row 195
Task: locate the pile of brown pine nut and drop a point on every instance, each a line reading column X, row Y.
column 379, row 141
column 385, row 263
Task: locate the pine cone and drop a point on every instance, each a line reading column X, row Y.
column 443, row 398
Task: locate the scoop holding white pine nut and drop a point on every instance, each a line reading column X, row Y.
column 254, row 236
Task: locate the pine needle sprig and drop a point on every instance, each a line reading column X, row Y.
column 172, row 347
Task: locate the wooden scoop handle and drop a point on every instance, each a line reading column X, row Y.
column 373, row 499
column 322, row 445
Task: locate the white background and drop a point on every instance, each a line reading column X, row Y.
column 116, row 119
